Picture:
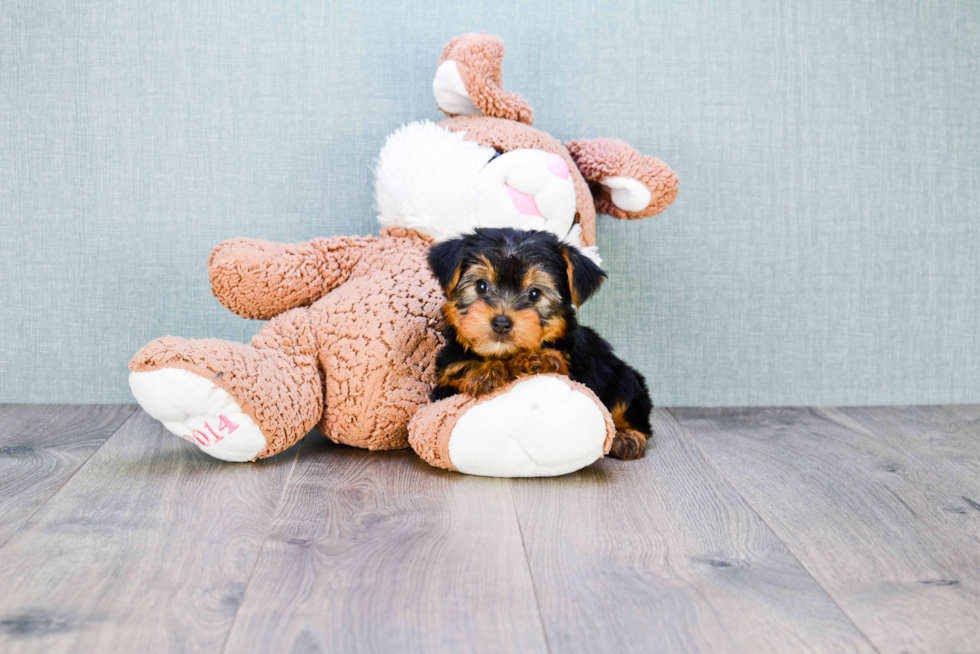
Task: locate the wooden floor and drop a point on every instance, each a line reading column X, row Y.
column 743, row 530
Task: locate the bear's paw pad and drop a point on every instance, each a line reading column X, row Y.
column 193, row 408
column 540, row 428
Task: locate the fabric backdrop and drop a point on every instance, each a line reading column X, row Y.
column 824, row 249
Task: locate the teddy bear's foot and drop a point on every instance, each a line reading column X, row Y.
column 236, row 402
column 196, row 410
column 542, row 426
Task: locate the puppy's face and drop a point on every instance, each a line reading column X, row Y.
column 510, row 291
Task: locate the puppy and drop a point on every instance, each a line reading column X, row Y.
column 510, row 312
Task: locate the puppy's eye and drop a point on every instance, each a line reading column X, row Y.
column 482, row 286
column 534, row 295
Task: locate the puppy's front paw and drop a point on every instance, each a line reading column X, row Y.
column 476, row 378
column 538, row 362
column 628, row 444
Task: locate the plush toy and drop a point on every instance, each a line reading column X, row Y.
column 354, row 322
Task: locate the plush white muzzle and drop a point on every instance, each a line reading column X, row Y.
column 434, row 181
column 526, row 189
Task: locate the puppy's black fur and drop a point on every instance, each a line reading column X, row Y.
column 510, row 312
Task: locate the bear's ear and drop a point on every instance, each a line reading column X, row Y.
column 584, row 276
column 625, row 183
column 469, row 80
column 446, row 262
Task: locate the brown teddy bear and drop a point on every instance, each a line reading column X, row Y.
column 354, row 322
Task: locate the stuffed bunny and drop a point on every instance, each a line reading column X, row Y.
column 354, row 322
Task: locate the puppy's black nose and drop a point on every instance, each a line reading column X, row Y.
column 501, row 324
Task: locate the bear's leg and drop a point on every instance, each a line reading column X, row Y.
column 540, row 426
column 235, row 402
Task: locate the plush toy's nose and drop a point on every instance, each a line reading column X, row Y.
column 557, row 165
column 501, row 324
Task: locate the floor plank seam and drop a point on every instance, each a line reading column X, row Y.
column 527, row 564
column 133, row 413
column 771, row 530
column 268, row 531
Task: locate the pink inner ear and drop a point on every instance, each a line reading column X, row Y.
column 557, row 165
column 524, row 202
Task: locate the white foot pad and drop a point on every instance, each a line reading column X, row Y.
column 540, row 428
column 193, row 408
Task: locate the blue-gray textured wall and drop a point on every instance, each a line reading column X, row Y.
column 824, row 249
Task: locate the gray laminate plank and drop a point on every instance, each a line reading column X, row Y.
column 968, row 414
column 871, row 502
column 147, row 548
column 942, row 446
column 378, row 552
column 41, row 447
column 662, row 555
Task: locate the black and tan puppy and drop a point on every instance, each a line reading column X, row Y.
column 510, row 312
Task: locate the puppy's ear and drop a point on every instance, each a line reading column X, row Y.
column 446, row 261
column 584, row 276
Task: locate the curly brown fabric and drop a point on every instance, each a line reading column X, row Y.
column 431, row 426
column 258, row 279
column 274, row 379
column 357, row 363
column 479, row 59
column 378, row 335
column 599, row 159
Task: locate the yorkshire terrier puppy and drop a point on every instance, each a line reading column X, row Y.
column 510, row 312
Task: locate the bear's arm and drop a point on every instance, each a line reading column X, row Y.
column 261, row 279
